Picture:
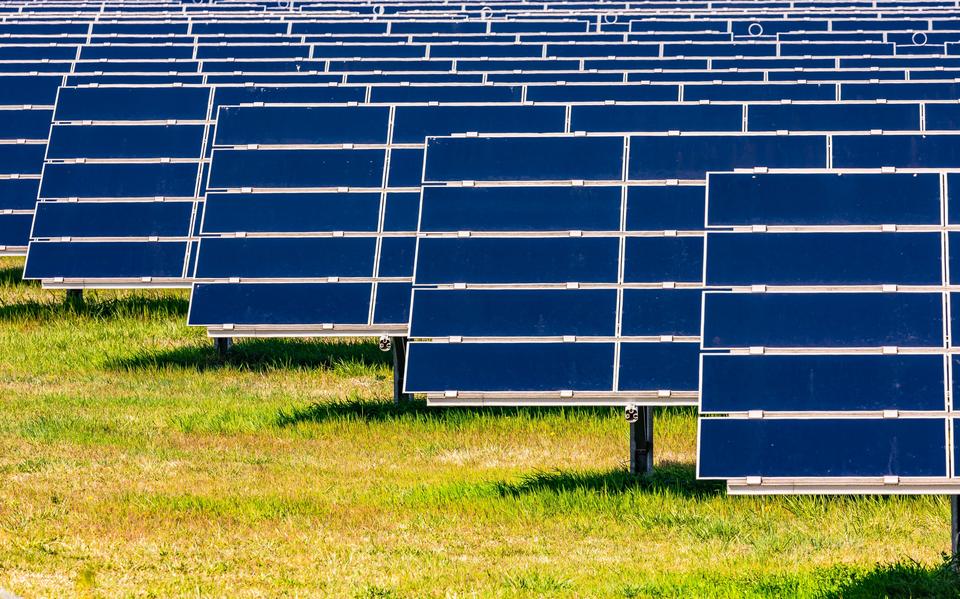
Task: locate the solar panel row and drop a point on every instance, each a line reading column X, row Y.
column 744, row 206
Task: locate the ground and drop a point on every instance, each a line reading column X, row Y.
column 133, row 462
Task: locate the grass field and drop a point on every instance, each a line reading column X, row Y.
column 134, row 463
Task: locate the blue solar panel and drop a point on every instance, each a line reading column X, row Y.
column 502, row 263
column 824, row 199
column 690, row 157
column 506, row 367
column 823, row 320
column 822, row 383
column 563, row 290
column 856, row 348
column 824, row 259
column 822, row 448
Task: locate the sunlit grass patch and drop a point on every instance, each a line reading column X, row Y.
column 134, row 460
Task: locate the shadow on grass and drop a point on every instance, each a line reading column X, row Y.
column 13, row 276
column 902, row 579
column 135, row 306
column 259, row 355
column 416, row 408
column 677, row 478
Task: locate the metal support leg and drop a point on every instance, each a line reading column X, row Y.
column 399, row 347
column 74, row 297
column 955, row 525
column 641, row 442
column 223, row 345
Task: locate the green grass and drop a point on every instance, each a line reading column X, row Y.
column 134, row 462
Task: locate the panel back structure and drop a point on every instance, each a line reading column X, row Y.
column 568, row 269
column 827, row 357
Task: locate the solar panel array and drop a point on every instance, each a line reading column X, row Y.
column 741, row 206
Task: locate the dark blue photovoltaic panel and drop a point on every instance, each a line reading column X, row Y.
column 100, row 260
column 296, row 168
column 406, row 167
column 654, row 312
column 740, row 92
column 465, row 93
column 254, row 51
column 93, row 180
column 518, row 260
column 690, row 157
column 396, row 256
column 291, row 212
column 726, row 49
column 15, row 229
column 665, row 208
column 125, row 141
column 649, row 67
column 550, row 64
column 665, row 117
column 392, row 305
column 371, row 65
column 134, row 52
column 899, row 91
column 524, row 159
column 291, row 257
column 302, row 125
column 279, row 303
column 822, row 320
column 509, row 367
column 403, row 210
column 24, row 159
column 132, row 103
column 660, row 259
column 824, row 258
column 25, row 124
column 955, row 311
column 954, row 239
column 811, row 383
column 514, row 312
column 113, row 219
column 834, row 117
column 942, row 116
column 600, row 93
column 905, row 151
column 653, row 366
column 279, row 94
column 580, row 50
column 565, row 208
column 843, row 447
column 483, row 50
column 18, row 194
column 17, row 90
column 421, row 78
column 824, row 199
column 35, row 54
column 414, row 123
column 215, row 27
column 142, row 66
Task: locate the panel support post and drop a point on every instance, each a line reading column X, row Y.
column 74, row 297
column 955, row 528
column 399, row 349
column 641, row 439
column 223, row 345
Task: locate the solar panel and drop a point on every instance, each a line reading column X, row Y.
column 338, row 181
column 563, row 267
column 837, row 330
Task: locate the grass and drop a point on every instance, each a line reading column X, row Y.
column 134, row 462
